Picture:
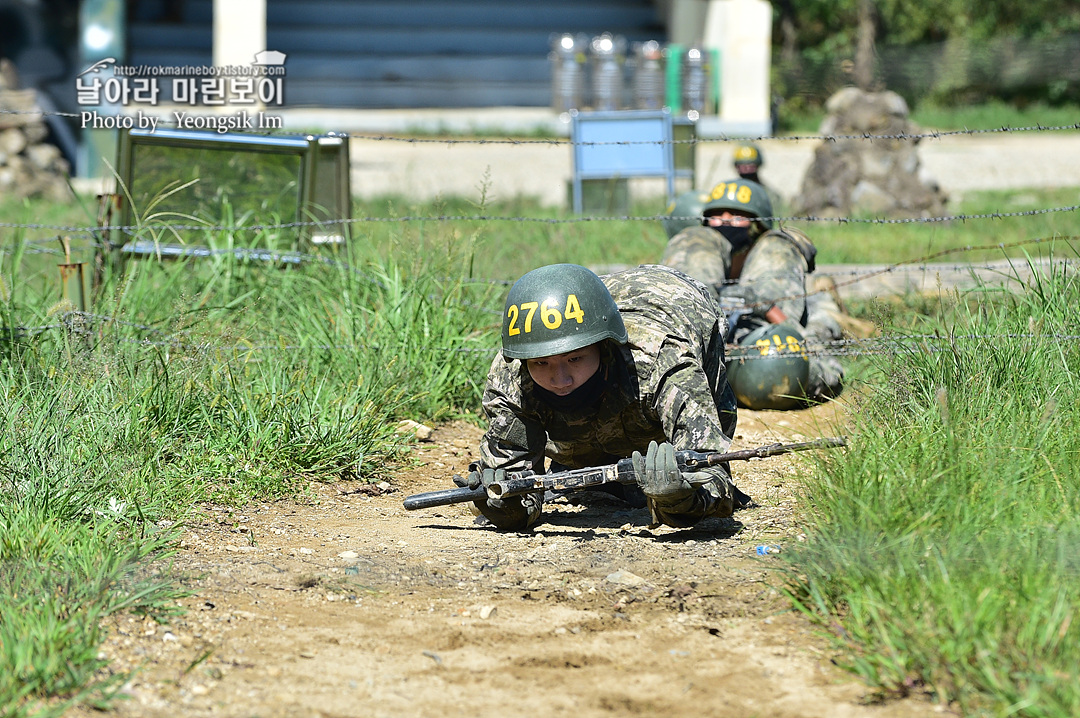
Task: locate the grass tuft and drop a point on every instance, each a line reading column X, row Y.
column 942, row 543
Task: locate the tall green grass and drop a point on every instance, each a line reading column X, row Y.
column 71, row 538
column 942, row 554
column 225, row 378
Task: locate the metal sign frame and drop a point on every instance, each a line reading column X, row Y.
column 324, row 190
column 622, row 143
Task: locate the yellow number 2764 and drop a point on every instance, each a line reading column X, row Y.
column 549, row 315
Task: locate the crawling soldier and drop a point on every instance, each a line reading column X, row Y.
column 593, row 370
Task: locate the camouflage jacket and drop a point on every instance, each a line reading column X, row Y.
column 775, row 272
column 667, row 383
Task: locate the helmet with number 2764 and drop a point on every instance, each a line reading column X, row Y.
column 558, row 309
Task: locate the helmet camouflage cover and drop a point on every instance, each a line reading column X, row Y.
column 685, row 211
column 770, row 369
column 557, row 309
column 741, row 196
column 748, row 154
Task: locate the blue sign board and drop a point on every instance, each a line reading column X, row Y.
column 622, row 143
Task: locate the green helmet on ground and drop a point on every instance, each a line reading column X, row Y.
column 769, row 369
column 741, row 196
column 685, row 211
column 748, row 154
column 557, row 309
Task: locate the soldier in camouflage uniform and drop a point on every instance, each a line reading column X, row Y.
column 593, row 370
column 739, row 253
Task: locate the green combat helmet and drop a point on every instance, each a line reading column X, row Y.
column 741, row 196
column 557, row 309
column 685, row 211
column 748, row 154
column 769, row 369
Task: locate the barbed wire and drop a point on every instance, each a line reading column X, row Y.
column 294, row 257
column 903, row 136
column 132, row 230
column 914, row 136
column 82, row 324
column 150, row 248
column 1004, row 268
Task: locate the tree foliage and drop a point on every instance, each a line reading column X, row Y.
column 824, row 23
column 934, row 49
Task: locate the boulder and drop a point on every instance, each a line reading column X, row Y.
column 852, row 175
column 29, row 166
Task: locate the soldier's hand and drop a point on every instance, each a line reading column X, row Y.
column 658, row 475
column 485, row 478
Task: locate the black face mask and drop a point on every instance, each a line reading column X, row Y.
column 738, row 237
column 584, row 397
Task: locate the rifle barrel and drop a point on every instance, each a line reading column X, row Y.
column 446, row 497
column 761, row 452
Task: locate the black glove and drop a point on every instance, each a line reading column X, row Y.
column 658, row 475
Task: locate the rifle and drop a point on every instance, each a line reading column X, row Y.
column 523, row 482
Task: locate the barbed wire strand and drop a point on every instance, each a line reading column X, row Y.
column 857, row 276
column 330, row 223
column 81, row 323
column 822, row 271
column 133, row 230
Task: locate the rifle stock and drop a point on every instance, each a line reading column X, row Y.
column 523, row 482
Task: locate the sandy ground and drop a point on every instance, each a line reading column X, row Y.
column 348, row 605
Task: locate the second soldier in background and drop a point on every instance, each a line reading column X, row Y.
column 759, row 273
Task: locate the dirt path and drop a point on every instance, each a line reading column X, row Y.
column 348, row 605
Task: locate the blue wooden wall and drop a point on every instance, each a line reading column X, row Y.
column 404, row 53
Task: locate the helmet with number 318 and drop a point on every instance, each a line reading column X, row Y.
column 741, row 196
column 557, row 309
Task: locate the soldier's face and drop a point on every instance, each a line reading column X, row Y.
column 562, row 373
column 727, row 219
